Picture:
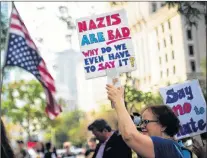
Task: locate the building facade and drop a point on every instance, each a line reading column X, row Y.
column 63, row 66
column 167, row 50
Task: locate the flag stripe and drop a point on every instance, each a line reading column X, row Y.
column 22, row 52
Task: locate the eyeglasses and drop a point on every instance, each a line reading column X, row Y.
column 145, row 122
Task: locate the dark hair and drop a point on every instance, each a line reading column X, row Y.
column 48, row 146
column 99, row 125
column 6, row 150
column 20, row 142
column 92, row 139
column 166, row 118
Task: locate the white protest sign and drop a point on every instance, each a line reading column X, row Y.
column 105, row 43
column 188, row 103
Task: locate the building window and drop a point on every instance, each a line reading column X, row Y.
column 154, row 7
column 173, row 55
column 174, row 70
column 162, row 4
column 192, row 65
column 163, row 29
column 161, row 74
column 166, row 58
column 164, row 41
column 167, row 72
column 189, row 34
column 158, row 45
column 169, row 24
column 171, row 39
column 190, row 49
column 160, row 60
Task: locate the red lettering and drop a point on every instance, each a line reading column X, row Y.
column 82, row 26
column 125, row 31
column 86, row 54
column 100, row 22
column 110, row 35
column 187, row 107
column 112, row 63
column 116, row 18
column 92, row 25
column 178, row 108
column 108, row 20
column 101, row 67
column 118, row 34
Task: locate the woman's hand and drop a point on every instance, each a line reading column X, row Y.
column 115, row 94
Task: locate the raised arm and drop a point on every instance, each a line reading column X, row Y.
column 140, row 143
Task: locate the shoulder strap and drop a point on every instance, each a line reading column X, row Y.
column 178, row 150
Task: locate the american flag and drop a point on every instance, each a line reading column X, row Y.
column 22, row 52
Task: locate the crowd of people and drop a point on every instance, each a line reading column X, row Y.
column 150, row 134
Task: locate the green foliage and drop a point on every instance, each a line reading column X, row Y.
column 135, row 98
column 24, row 103
column 3, row 26
column 190, row 10
column 69, row 127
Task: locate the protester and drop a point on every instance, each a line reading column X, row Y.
column 111, row 144
column 159, row 125
column 91, row 148
column 68, row 153
column 200, row 150
column 21, row 151
column 6, row 150
column 49, row 151
column 40, row 149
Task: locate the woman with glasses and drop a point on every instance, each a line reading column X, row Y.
column 158, row 123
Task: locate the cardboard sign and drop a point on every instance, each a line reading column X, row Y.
column 105, row 43
column 188, row 103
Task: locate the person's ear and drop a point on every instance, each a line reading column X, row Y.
column 163, row 129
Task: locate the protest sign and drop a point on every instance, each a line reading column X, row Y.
column 105, row 43
column 188, row 103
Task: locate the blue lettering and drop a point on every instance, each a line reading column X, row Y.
column 117, row 47
column 201, row 124
column 181, row 94
column 188, row 91
column 100, row 37
column 87, row 69
column 191, row 127
column 85, row 40
column 93, row 38
column 171, row 96
column 86, row 61
column 111, row 56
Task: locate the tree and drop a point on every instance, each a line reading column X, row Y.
column 191, row 10
column 71, row 127
column 24, row 102
column 3, row 29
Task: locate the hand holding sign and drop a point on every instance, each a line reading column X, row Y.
column 116, row 95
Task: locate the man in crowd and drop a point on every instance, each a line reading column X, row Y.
column 21, row 151
column 111, row 144
column 91, row 148
column 68, row 153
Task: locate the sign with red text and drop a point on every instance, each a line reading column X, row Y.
column 105, row 43
column 188, row 103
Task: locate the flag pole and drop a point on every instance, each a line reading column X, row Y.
column 0, row 66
